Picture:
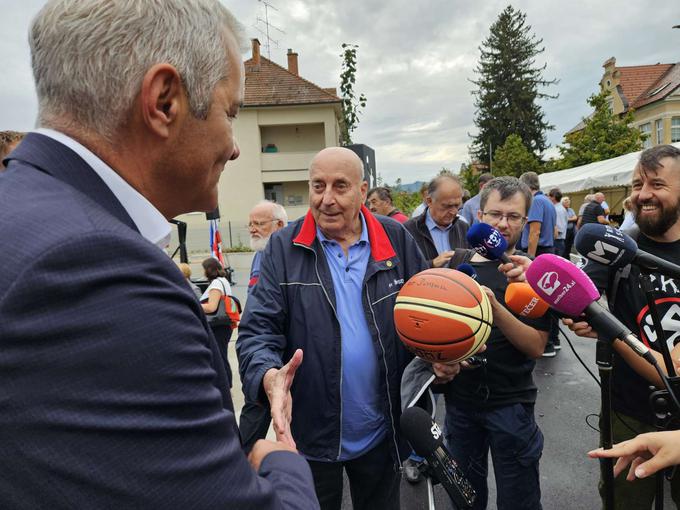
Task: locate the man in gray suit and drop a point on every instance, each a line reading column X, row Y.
column 113, row 394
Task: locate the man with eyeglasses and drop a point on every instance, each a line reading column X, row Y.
column 264, row 219
column 440, row 230
column 492, row 407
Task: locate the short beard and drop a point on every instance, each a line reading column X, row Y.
column 657, row 227
column 258, row 243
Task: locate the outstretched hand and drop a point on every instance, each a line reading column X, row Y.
column 514, row 271
column 646, row 454
column 277, row 383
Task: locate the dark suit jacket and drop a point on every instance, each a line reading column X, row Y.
column 418, row 229
column 112, row 392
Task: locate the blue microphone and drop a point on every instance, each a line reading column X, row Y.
column 488, row 242
column 468, row 270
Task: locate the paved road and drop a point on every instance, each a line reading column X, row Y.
column 567, row 396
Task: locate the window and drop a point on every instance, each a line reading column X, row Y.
column 274, row 192
column 675, row 129
column 659, row 131
column 646, row 130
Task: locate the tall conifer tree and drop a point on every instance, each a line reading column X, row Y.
column 509, row 85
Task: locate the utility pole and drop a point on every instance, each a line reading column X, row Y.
column 267, row 26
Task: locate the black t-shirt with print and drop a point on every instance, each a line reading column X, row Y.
column 507, row 376
column 630, row 391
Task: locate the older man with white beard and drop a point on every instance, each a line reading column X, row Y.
column 264, row 219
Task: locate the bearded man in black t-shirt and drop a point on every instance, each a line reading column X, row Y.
column 492, row 407
column 656, row 204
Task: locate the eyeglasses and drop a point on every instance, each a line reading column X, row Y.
column 259, row 224
column 513, row 218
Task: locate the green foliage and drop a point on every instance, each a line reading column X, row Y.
column 513, row 158
column 406, row 202
column 508, row 87
column 469, row 177
column 352, row 106
column 604, row 136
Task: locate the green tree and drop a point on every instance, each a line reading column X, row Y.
column 513, row 158
column 509, row 85
column 406, row 202
column 604, row 136
column 469, row 177
column 352, row 106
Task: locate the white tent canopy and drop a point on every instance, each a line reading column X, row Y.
column 603, row 174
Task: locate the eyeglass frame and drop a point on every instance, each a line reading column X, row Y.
column 517, row 220
column 260, row 224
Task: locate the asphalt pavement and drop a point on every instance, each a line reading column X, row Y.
column 568, row 400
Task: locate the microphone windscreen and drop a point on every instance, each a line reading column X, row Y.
column 423, row 434
column 468, row 270
column 487, row 241
column 606, row 245
column 561, row 284
column 522, row 300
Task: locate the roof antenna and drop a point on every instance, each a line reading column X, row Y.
column 267, row 26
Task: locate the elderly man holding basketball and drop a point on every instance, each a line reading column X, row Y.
column 492, row 407
column 327, row 287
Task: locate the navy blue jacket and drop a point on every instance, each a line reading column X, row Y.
column 112, row 392
column 293, row 306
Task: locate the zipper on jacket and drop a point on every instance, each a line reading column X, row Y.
column 387, row 378
column 316, row 269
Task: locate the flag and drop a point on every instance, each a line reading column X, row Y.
column 216, row 241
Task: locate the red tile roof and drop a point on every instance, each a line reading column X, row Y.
column 637, row 81
column 269, row 84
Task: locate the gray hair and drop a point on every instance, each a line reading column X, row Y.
column 89, row 56
column 507, row 187
column 278, row 211
column 434, row 184
column 531, row 180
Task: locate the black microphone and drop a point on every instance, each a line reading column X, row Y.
column 611, row 247
column 488, row 242
column 425, row 437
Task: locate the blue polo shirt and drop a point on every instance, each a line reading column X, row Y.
column 543, row 211
column 363, row 422
column 439, row 235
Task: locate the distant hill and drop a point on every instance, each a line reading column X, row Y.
column 410, row 188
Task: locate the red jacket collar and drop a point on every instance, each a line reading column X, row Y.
column 381, row 246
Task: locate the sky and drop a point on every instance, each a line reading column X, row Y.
column 415, row 63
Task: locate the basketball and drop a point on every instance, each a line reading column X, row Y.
column 442, row 315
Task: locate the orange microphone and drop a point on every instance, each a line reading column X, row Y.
column 521, row 299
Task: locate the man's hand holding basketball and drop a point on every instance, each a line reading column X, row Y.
column 277, row 383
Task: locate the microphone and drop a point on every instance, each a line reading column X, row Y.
column 488, row 242
column 468, row 270
column 425, row 437
column 567, row 289
column 611, row 247
column 522, row 300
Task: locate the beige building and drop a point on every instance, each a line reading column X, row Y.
column 285, row 120
column 652, row 92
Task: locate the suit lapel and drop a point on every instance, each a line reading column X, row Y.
column 62, row 163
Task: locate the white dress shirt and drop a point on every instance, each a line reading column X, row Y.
column 149, row 221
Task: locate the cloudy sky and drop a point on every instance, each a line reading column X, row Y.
column 415, row 62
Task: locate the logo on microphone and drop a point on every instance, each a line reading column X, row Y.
column 436, row 431
column 529, row 307
column 549, row 283
column 601, row 253
column 494, row 240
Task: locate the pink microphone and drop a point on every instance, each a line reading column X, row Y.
column 561, row 284
column 568, row 290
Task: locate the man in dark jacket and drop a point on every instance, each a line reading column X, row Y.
column 439, row 230
column 328, row 284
